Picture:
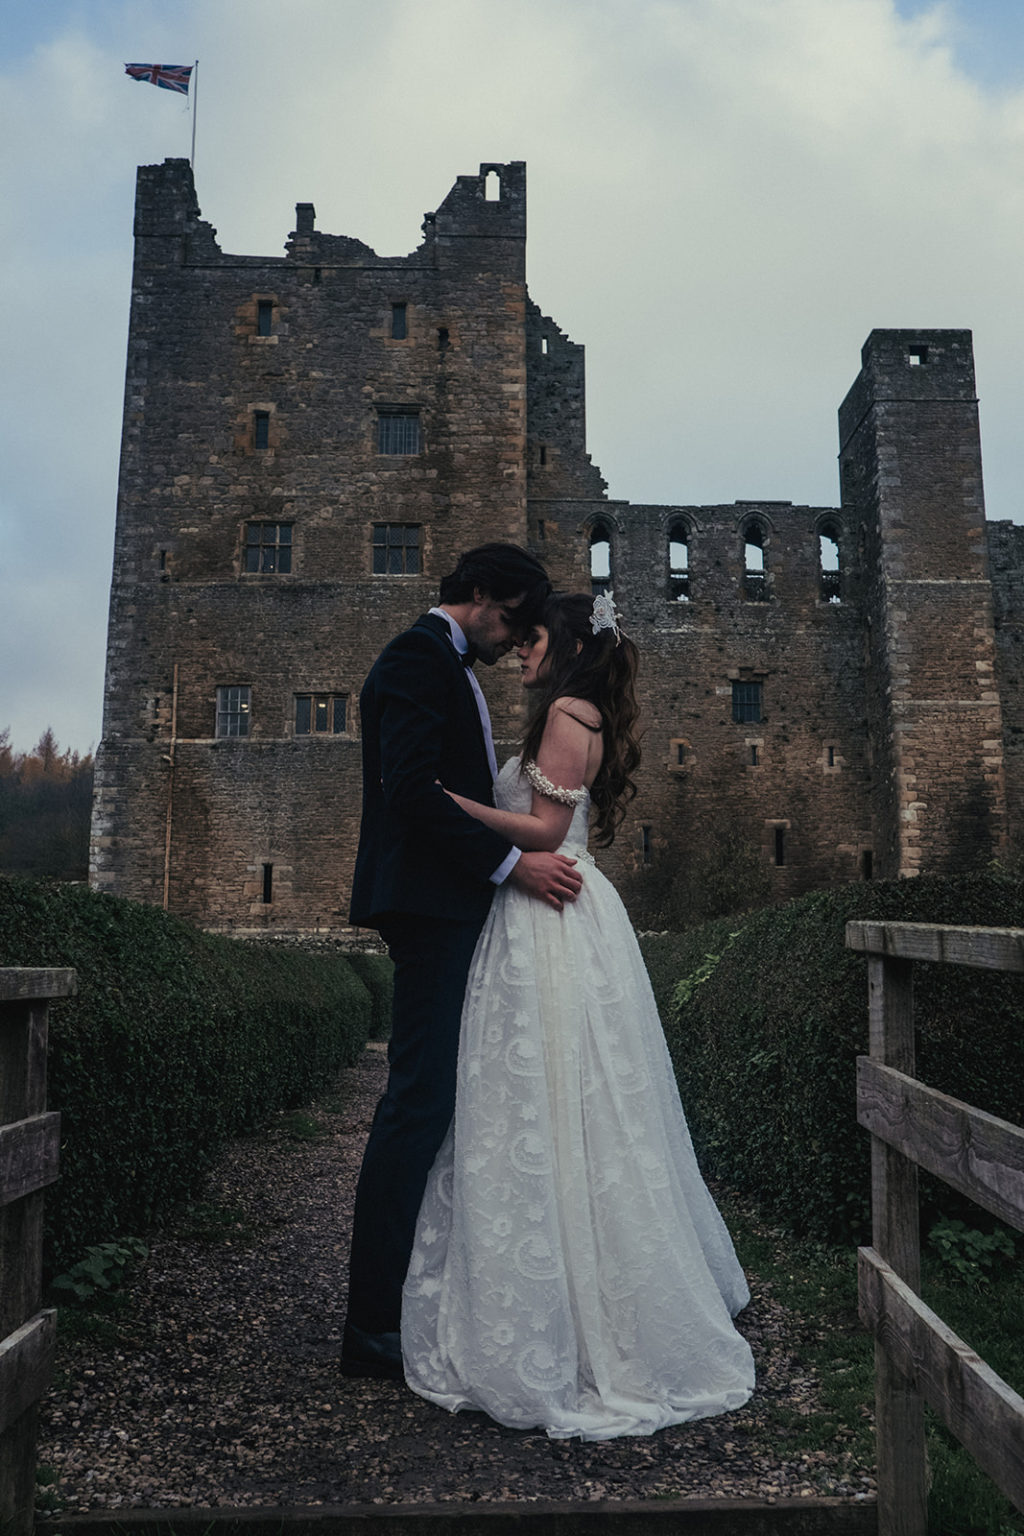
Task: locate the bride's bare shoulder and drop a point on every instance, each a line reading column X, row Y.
column 580, row 710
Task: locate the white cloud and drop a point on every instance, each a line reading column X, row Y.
column 725, row 197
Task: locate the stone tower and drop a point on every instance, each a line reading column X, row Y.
column 910, row 465
column 309, row 442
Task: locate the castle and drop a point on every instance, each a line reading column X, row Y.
column 309, row 441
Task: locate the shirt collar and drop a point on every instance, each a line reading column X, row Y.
column 459, row 640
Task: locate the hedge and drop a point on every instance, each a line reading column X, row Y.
column 177, row 1040
column 766, row 1014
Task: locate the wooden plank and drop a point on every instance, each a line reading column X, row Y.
column 902, row 1472
column 20, row 983
column 894, row 1203
column 18, row 1475
column 520, row 1517
column 29, row 1155
column 985, row 1414
column 26, row 1365
column 990, row 949
column 976, row 1153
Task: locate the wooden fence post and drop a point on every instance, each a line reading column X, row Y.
column 895, row 1219
column 29, row 1144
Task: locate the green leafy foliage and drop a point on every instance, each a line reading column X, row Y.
column 103, row 1269
column 176, row 1040
column 969, row 1253
column 765, row 1040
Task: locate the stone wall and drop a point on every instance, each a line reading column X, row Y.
column 804, row 724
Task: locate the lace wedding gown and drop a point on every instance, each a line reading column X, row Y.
column 570, row 1269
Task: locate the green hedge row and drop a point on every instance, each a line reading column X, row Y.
column 766, row 1014
column 176, row 1040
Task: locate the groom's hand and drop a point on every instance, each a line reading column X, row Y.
column 550, row 877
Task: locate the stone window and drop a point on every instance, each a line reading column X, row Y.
column 679, row 563
column 320, row 714
column 780, row 846
column 398, row 432
column 755, row 578
column 396, row 549
column 268, row 884
column 681, row 756
column 264, row 317
column 746, row 702
column 234, row 707
column 917, row 357
column 261, row 429
column 492, row 187
column 268, row 548
column 828, row 563
column 645, row 846
column 600, row 558
column 399, row 328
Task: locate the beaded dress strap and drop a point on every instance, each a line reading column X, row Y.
column 544, row 786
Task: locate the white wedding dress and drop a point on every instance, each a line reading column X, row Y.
column 570, row 1268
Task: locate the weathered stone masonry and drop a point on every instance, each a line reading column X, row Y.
column 310, row 440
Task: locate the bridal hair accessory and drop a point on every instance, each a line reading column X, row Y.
column 604, row 615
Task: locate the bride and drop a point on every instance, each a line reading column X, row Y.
column 570, row 1269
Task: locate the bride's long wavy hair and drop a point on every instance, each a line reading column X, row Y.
column 601, row 669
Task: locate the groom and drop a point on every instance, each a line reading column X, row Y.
column 425, row 875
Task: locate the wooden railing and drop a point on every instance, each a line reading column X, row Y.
column 29, row 1144
column 917, row 1358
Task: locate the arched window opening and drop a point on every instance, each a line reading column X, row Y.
column 679, row 563
column 828, row 563
column 600, row 559
column 755, row 579
column 492, row 187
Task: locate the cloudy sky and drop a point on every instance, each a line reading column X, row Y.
column 725, row 197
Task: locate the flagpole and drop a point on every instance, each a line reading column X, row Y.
column 195, row 98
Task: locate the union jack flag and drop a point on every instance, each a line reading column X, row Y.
column 170, row 77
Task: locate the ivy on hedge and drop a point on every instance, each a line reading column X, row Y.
column 176, row 1040
column 766, row 1014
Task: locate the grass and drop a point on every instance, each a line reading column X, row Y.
column 818, row 1283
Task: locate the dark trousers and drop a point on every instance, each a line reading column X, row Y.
column 431, row 960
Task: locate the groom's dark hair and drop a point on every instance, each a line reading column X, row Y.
column 501, row 571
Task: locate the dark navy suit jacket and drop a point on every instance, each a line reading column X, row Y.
column 418, row 852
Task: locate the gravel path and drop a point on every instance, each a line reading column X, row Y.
column 223, row 1388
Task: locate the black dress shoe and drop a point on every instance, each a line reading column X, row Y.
column 371, row 1354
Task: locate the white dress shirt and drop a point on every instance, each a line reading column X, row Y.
column 461, row 644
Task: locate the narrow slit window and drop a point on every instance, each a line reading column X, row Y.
column 645, row 845
column 678, row 564
column 600, row 559
column 755, row 578
column 754, row 759
column 780, row 846
column 264, row 317
column 398, row 322
column 261, row 429
column 268, row 884
column 828, row 564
